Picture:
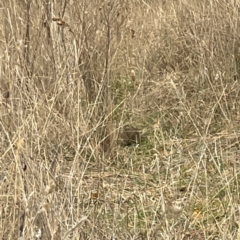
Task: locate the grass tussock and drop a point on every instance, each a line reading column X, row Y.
column 119, row 120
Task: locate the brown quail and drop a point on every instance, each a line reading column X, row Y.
column 129, row 136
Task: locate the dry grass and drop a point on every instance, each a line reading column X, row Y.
column 73, row 76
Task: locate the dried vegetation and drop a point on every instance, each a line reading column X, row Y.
column 119, row 119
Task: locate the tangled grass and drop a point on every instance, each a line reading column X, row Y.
column 75, row 76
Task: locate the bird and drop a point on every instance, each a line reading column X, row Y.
column 129, row 136
column 60, row 22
